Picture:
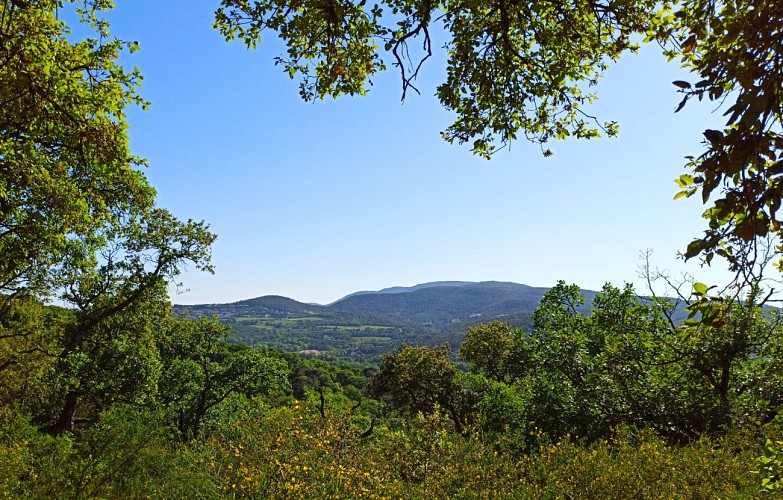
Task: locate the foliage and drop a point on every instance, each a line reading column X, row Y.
column 78, row 224
column 770, row 463
column 487, row 348
column 772, row 466
column 525, row 68
column 296, row 453
column 28, row 337
column 511, row 68
column 125, row 456
column 89, row 391
column 733, row 50
column 627, row 362
column 65, row 167
column 202, row 375
column 107, row 353
column 499, row 409
column 78, row 221
column 312, row 374
column 417, row 379
column 290, row 451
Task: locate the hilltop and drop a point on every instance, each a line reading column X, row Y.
column 364, row 325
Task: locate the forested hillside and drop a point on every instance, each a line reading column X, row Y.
column 363, row 326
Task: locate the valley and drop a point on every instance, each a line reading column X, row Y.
column 363, row 326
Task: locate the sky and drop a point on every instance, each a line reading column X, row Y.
column 314, row 201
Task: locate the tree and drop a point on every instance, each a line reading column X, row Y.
column 560, row 366
column 627, row 362
column 418, row 379
column 498, row 407
column 487, row 348
column 107, row 353
column 29, row 337
column 201, row 372
column 65, row 167
column 524, row 68
column 734, row 49
column 78, row 221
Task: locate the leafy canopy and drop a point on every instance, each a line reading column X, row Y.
column 66, row 170
column 525, row 68
column 78, row 220
column 487, row 347
column 512, row 67
column 202, row 372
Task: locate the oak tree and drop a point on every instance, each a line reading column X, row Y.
column 487, row 348
column 66, row 170
column 78, row 221
column 628, row 362
column 107, row 354
column 202, row 372
column 418, row 379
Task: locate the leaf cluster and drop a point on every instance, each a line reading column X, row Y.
column 512, row 68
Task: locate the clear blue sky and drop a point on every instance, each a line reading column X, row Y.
column 317, row 200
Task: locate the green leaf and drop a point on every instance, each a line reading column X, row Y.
column 684, row 181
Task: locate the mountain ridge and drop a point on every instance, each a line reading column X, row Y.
column 439, row 301
column 363, row 326
column 404, row 289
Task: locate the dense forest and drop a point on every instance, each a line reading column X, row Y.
column 104, row 393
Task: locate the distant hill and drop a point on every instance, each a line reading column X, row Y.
column 405, row 289
column 436, row 302
column 273, row 305
column 451, row 302
column 362, row 326
column 365, row 325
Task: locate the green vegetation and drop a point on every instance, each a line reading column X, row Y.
column 361, row 328
column 526, row 69
column 107, row 395
column 606, row 405
column 342, row 343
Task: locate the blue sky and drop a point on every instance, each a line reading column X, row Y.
column 317, row 200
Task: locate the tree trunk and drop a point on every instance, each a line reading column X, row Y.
column 64, row 422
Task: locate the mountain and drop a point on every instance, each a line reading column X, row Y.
column 364, row 325
column 446, row 303
column 437, row 303
column 405, row 289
